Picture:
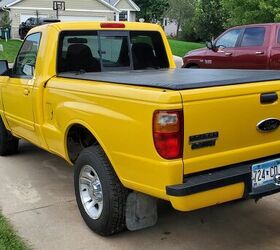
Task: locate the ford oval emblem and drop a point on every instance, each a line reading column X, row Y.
column 268, row 125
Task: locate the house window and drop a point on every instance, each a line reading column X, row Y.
column 123, row 16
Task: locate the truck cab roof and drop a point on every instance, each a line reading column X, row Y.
column 93, row 25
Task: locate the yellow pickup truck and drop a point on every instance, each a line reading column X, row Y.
column 106, row 97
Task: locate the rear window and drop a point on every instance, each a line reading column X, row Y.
column 253, row 37
column 92, row 51
column 148, row 50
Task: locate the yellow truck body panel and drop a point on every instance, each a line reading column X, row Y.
column 43, row 110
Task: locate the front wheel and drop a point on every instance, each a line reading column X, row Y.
column 101, row 197
column 193, row 67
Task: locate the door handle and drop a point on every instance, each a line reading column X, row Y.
column 228, row 54
column 26, row 92
column 259, row 52
column 267, row 98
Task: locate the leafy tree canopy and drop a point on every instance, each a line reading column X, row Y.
column 210, row 17
column 152, row 10
column 251, row 11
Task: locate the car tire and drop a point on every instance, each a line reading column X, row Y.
column 8, row 143
column 193, row 67
column 100, row 195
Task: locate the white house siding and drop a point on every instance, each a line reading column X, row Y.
column 124, row 5
column 17, row 16
column 70, row 4
column 75, row 10
column 133, row 16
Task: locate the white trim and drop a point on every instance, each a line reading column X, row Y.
column 131, row 10
column 13, row 3
column 74, row 10
column 29, row 8
column 108, row 5
column 134, row 5
column 101, row 1
column 117, row 17
column 128, row 16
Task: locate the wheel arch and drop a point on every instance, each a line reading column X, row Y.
column 4, row 120
column 75, row 124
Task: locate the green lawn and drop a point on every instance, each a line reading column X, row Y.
column 11, row 49
column 8, row 239
column 180, row 48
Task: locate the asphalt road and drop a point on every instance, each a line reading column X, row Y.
column 36, row 194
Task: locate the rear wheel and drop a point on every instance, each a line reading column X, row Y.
column 8, row 143
column 100, row 195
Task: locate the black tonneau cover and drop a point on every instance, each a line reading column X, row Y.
column 179, row 79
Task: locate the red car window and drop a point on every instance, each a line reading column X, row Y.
column 278, row 36
column 229, row 39
column 253, row 37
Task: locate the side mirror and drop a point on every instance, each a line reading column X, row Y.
column 4, row 67
column 211, row 45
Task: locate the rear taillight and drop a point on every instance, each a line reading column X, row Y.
column 168, row 133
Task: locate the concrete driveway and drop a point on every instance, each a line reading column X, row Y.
column 36, row 194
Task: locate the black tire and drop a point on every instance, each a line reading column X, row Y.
column 112, row 218
column 8, row 143
column 193, row 67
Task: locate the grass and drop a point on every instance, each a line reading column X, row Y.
column 10, row 50
column 180, row 48
column 8, row 238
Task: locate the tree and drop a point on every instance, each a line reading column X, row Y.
column 152, row 10
column 5, row 21
column 209, row 20
column 182, row 11
column 251, row 11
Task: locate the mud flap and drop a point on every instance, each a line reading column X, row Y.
column 141, row 211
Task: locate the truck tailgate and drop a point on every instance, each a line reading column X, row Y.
column 221, row 124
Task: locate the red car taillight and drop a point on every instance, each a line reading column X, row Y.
column 168, row 133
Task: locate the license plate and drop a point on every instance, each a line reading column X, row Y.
column 265, row 173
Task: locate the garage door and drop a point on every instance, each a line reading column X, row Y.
column 81, row 18
column 24, row 17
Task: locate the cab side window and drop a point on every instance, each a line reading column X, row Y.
column 26, row 59
column 253, row 37
column 278, row 36
column 229, row 39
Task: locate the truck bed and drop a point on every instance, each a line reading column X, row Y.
column 179, row 79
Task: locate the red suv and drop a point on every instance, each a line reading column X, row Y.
column 254, row 46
